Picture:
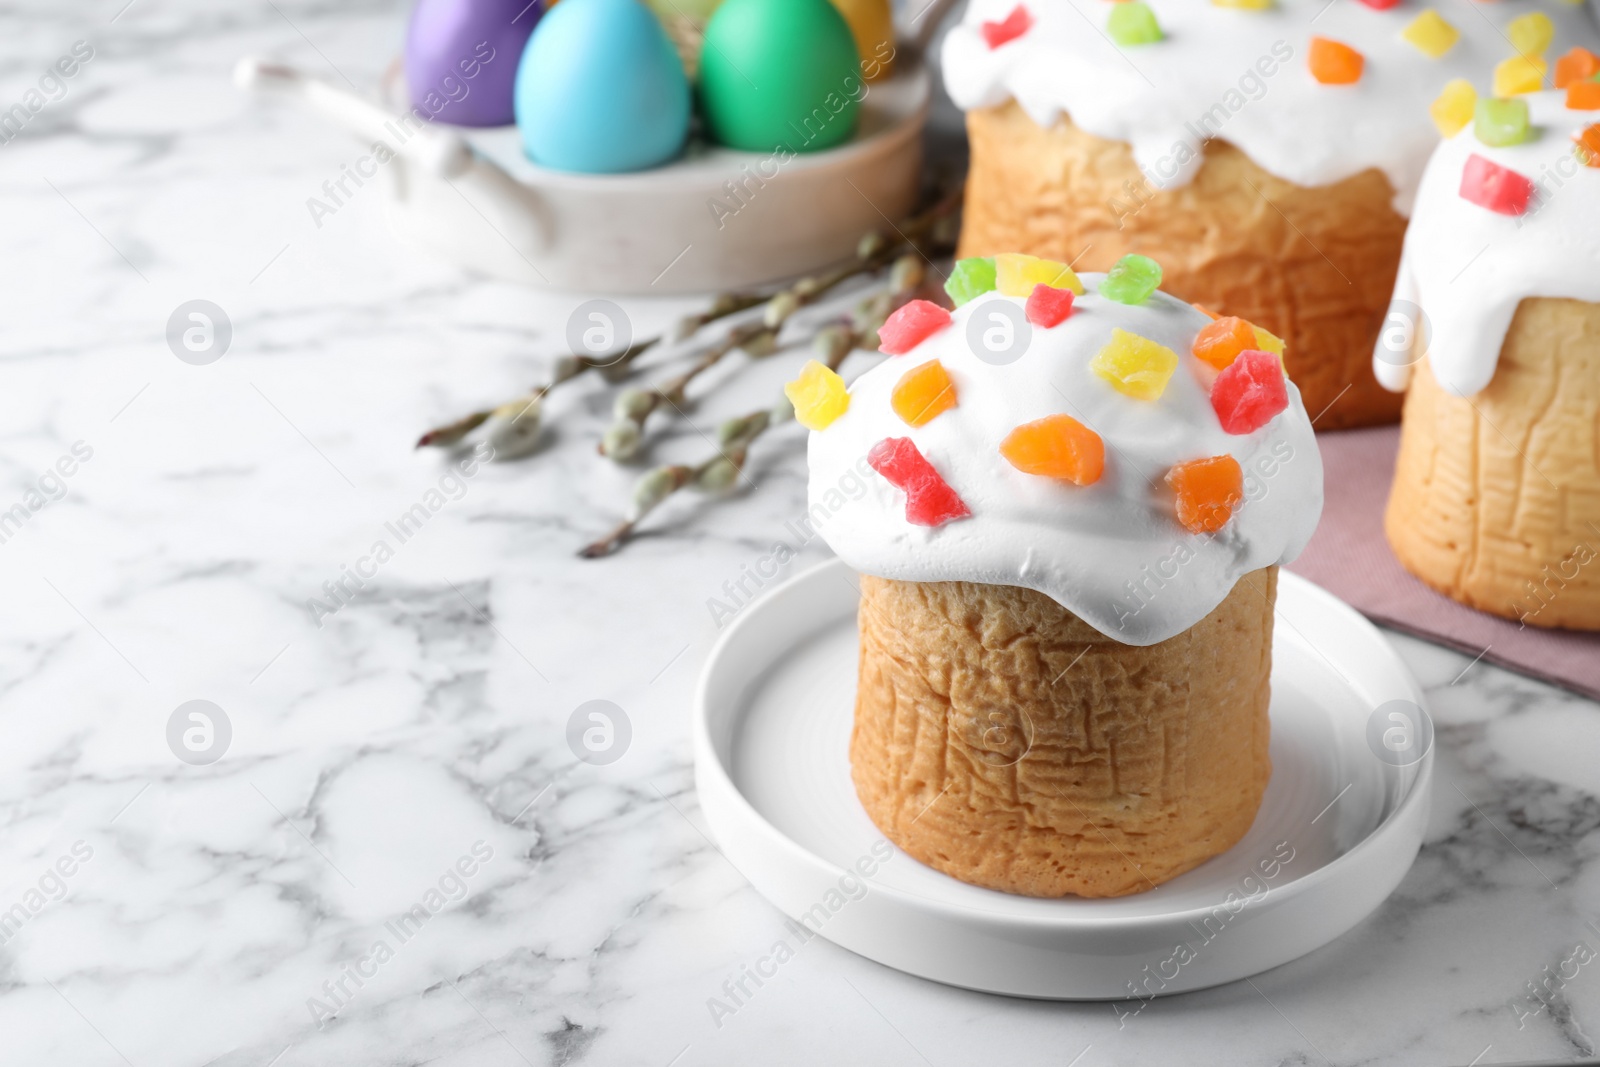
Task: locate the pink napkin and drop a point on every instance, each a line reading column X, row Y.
column 1349, row 557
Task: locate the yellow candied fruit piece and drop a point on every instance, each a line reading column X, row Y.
column 1269, row 342
column 1244, row 5
column 1453, row 108
column 1017, row 274
column 818, row 396
column 1431, row 34
column 923, row 393
column 1532, row 33
column 1519, row 74
column 1135, row 366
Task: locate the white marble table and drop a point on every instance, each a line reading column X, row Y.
column 156, row 912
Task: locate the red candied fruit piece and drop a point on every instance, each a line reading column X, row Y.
column 1489, row 185
column 1048, row 306
column 1007, row 29
column 929, row 499
column 910, row 325
column 1249, row 392
column 1380, row 5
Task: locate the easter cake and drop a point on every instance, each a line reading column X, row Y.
column 1265, row 151
column 1496, row 497
column 1079, row 492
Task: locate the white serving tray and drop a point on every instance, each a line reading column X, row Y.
column 472, row 197
column 772, row 723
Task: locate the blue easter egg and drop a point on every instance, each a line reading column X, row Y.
column 601, row 90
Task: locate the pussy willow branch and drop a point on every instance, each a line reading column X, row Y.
column 719, row 473
column 623, row 437
column 875, row 251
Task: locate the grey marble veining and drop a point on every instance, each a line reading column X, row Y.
column 398, row 860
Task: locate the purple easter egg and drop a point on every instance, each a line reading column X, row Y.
column 462, row 56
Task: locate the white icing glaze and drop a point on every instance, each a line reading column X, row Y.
column 1153, row 96
column 1468, row 268
column 1085, row 547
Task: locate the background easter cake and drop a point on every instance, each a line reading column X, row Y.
column 1265, row 151
column 1496, row 498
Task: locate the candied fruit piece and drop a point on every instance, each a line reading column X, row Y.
column 1578, row 65
column 1208, row 490
column 970, row 278
column 1056, row 446
column 922, row 393
column 1244, row 5
column 1431, row 34
column 1219, row 342
column 1131, row 279
column 1017, row 274
column 1380, row 5
column 1492, row 186
column 1454, row 106
column 1249, row 392
column 1048, row 306
column 1014, row 25
column 1334, row 62
column 1586, row 144
column 1583, row 96
column 1499, row 123
column 910, row 325
column 1268, row 341
column 1135, row 366
column 929, row 499
column 1131, row 22
column 818, row 396
column 1519, row 74
column 1532, row 33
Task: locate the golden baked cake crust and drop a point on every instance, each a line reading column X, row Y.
column 1002, row 740
column 1315, row 266
column 1496, row 498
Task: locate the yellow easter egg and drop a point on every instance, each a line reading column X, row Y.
column 872, row 25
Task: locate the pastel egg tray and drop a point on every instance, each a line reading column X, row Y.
column 714, row 219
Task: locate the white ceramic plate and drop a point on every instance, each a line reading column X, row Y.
column 1337, row 831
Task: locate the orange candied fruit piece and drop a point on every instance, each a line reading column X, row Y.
column 1219, row 343
column 1578, row 65
column 1056, row 446
column 1583, row 96
column 1588, row 145
column 1208, row 491
column 923, row 393
column 1334, row 63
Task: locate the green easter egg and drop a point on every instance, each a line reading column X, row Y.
column 780, row 74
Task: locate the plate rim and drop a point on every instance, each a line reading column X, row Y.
column 707, row 761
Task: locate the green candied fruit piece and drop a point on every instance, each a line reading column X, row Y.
column 1132, row 23
column 970, row 278
column 1131, row 280
column 1498, row 123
